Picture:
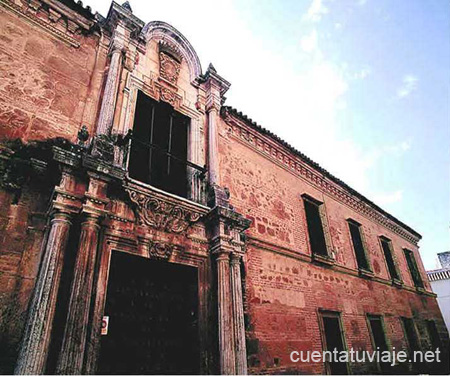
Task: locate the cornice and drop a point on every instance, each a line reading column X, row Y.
column 285, row 158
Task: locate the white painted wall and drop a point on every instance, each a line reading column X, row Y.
column 442, row 289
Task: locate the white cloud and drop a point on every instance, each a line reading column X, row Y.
column 361, row 2
column 409, row 84
column 388, row 198
column 316, row 11
column 400, row 148
column 362, row 73
column 309, row 42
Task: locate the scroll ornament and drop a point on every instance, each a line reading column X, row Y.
column 162, row 215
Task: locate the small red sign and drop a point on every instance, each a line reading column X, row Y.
column 105, row 322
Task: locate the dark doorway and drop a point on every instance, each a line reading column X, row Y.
column 152, row 308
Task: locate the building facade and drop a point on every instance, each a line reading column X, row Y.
column 440, row 283
column 148, row 228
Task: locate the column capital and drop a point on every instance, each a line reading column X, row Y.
column 116, row 47
column 91, row 218
column 63, row 210
column 216, row 87
column 62, row 214
column 222, row 255
column 235, row 258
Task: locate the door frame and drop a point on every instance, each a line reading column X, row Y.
column 180, row 255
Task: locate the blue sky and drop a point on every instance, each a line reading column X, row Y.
column 360, row 86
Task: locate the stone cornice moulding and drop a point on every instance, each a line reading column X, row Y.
column 119, row 13
column 60, row 8
column 285, row 159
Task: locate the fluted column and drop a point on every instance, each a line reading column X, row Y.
column 213, row 148
column 238, row 315
column 226, row 342
column 35, row 343
column 216, row 86
column 106, row 116
column 71, row 356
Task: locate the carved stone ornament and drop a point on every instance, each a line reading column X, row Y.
column 103, row 147
column 169, row 68
column 161, row 251
column 169, row 96
column 162, row 215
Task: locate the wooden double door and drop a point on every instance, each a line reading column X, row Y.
column 153, row 318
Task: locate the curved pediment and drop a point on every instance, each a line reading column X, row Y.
column 175, row 43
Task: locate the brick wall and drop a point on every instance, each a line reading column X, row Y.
column 47, row 87
column 284, row 290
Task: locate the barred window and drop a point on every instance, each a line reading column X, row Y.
column 158, row 154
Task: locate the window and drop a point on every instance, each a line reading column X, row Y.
column 410, row 332
column 333, row 337
column 377, row 332
column 358, row 245
column 435, row 343
column 378, row 335
column 158, row 154
column 418, row 363
column 315, row 223
column 433, row 334
column 412, row 266
column 386, row 245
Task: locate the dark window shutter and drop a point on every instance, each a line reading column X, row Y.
column 358, row 246
column 315, row 228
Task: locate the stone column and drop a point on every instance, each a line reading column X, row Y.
column 238, row 315
column 106, row 116
column 213, row 146
column 72, row 352
column 35, row 343
column 226, row 341
column 216, row 86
